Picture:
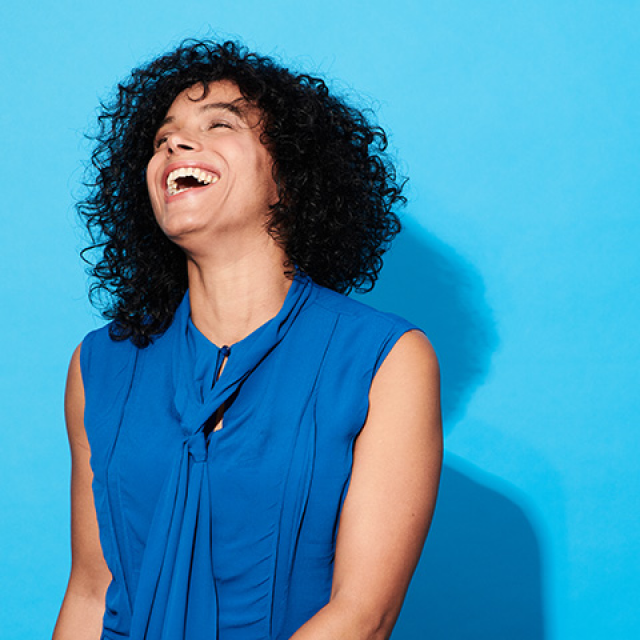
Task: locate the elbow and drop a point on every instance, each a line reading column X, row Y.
column 381, row 624
column 368, row 620
column 89, row 586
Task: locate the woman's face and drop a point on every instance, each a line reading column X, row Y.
column 210, row 175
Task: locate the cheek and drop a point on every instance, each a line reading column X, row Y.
column 153, row 189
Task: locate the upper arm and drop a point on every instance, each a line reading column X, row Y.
column 83, row 606
column 395, row 476
column 89, row 572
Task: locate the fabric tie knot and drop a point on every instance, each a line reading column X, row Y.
column 197, row 446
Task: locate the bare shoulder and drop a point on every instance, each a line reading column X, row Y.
column 413, row 348
column 404, row 405
column 409, row 372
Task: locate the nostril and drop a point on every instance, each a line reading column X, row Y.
column 177, row 143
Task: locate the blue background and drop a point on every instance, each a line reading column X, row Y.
column 519, row 125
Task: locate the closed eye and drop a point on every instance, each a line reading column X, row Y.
column 218, row 125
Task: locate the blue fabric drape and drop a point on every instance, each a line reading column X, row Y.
column 178, row 560
column 228, row 534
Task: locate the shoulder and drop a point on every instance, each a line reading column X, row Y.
column 104, row 359
column 99, row 346
column 106, row 367
column 411, row 366
column 371, row 335
column 350, row 307
column 357, row 314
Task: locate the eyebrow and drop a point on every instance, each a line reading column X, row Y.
column 233, row 107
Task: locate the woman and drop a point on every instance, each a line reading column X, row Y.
column 264, row 452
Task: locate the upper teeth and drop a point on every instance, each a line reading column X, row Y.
column 200, row 175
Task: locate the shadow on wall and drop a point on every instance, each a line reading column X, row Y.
column 480, row 576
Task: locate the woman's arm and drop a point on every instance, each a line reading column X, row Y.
column 391, row 497
column 83, row 606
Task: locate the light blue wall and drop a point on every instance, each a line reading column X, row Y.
column 519, row 124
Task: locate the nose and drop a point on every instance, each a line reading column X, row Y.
column 180, row 141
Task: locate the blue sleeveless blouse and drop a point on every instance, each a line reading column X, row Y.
column 228, row 534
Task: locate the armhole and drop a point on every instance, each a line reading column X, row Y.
column 85, row 358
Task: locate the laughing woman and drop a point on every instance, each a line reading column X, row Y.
column 254, row 455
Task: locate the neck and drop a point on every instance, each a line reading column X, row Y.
column 231, row 299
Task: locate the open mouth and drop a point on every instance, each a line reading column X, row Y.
column 185, row 178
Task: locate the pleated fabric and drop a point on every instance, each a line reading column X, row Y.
column 228, row 534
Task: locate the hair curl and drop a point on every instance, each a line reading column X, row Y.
column 335, row 215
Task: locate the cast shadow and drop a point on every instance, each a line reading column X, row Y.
column 480, row 576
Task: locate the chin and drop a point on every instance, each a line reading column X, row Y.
column 177, row 228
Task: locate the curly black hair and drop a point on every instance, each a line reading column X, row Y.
column 338, row 188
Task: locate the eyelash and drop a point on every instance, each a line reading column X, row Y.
column 216, row 124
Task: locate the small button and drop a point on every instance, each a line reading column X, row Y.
column 225, row 351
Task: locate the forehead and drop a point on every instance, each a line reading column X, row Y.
column 223, row 93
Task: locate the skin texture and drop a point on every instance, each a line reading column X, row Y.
column 221, row 132
column 235, row 268
column 237, row 282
